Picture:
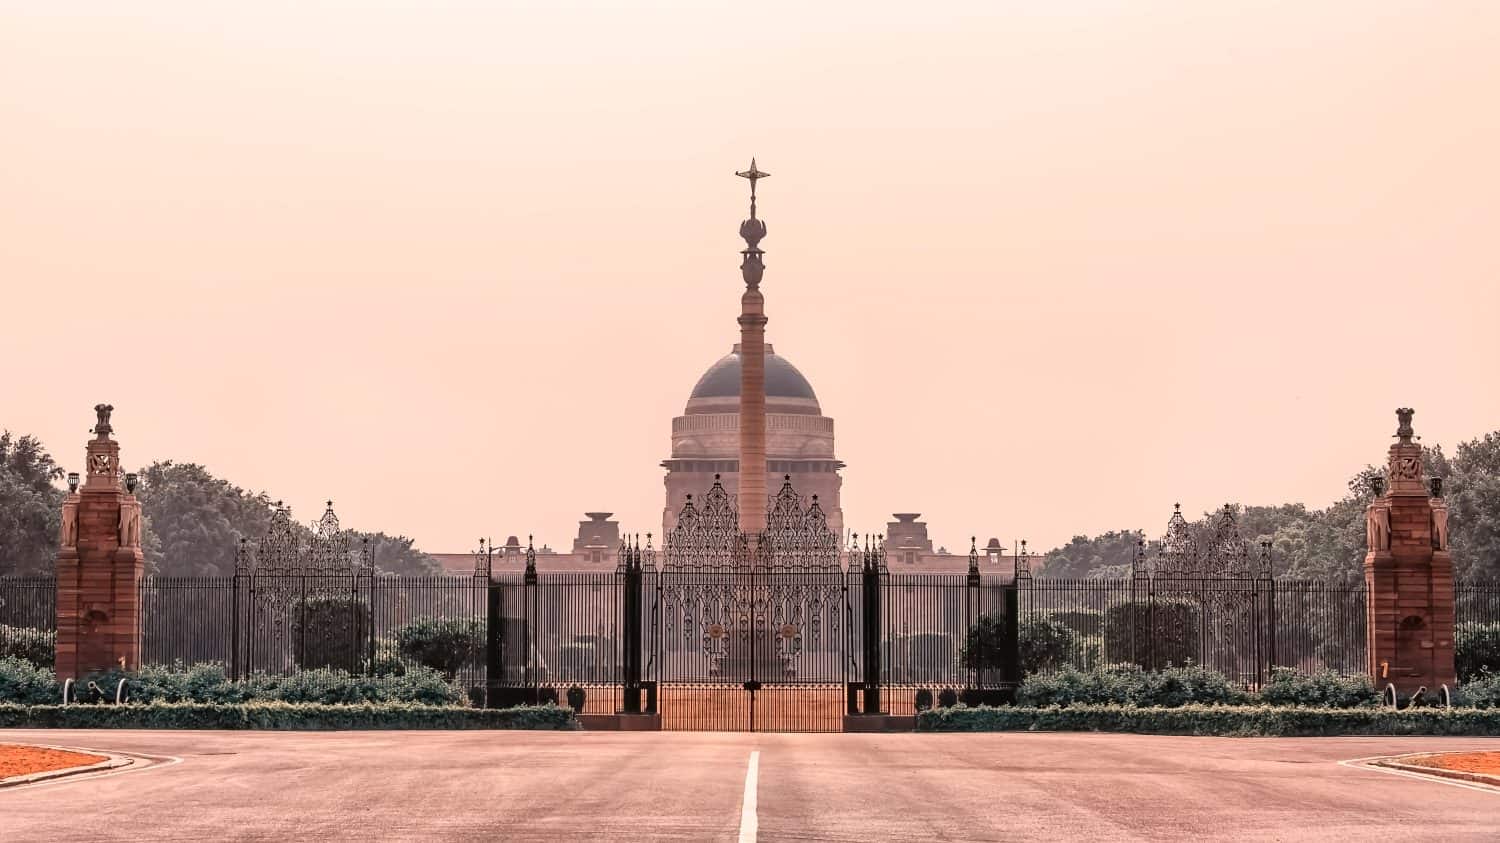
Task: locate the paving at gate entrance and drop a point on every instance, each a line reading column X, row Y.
column 679, row 786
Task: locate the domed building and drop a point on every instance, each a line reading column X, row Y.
column 799, row 438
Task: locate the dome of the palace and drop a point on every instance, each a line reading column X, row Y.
column 722, row 380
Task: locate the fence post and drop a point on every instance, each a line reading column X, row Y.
column 302, row 623
column 494, row 640
column 971, row 606
column 630, row 561
column 368, row 569
column 871, row 570
column 1271, row 619
column 529, row 613
column 234, row 626
column 1011, row 662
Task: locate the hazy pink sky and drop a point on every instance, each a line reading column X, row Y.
column 1050, row 266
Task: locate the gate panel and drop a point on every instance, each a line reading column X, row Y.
column 747, row 650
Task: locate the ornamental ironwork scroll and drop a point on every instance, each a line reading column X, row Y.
column 1218, row 551
column 286, row 549
column 797, row 538
column 304, row 587
column 1226, row 588
column 731, row 602
column 707, row 535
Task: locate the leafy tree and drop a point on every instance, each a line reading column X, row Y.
column 1329, row 544
column 1046, row 644
column 397, row 555
column 1082, row 556
column 1472, row 491
column 30, row 506
column 443, row 644
column 195, row 520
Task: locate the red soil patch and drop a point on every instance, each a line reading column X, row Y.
column 1463, row 762
column 23, row 760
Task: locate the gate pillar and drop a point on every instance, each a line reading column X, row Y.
column 870, row 581
column 99, row 564
column 1409, row 573
column 631, row 573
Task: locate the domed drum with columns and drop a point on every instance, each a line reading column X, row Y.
column 799, row 438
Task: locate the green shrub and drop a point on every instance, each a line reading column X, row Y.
column 38, row 646
column 922, row 701
column 443, row 644
column 1165, row 633
column 331, row 631
column 1324, row 689
column 1476, row 649
column 576, row 698
column 1046, row 644
column 1129, row 685
column 1481, row 691
column 984, row 644
column 281, row 715
column 26, row 683
column 1236, row 720
column 947, row 698
column 387, row 661
column 1085, row 622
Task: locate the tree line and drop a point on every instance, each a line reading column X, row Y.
column 1329, row 543
column 191, row 523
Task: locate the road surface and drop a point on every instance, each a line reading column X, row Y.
column 693, row 786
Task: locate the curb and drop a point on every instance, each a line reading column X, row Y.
column 111, row 762
column 1476, row 778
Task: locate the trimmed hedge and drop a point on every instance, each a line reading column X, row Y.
column 281, row 716
column 206, row 683
column 1238, row 721
column 26, row 684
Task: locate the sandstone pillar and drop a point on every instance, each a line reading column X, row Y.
column 1409, row 574
column 752, row 495
column 99, row 565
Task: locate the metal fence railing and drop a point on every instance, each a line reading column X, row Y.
column 567, row 629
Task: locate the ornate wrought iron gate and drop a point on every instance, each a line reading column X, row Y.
column 750, row 632
column 302, row 600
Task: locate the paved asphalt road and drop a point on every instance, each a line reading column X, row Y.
column 690, row 786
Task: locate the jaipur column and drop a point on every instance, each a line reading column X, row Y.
column 752, row 494
column 100, row 565
column 1409, row 574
